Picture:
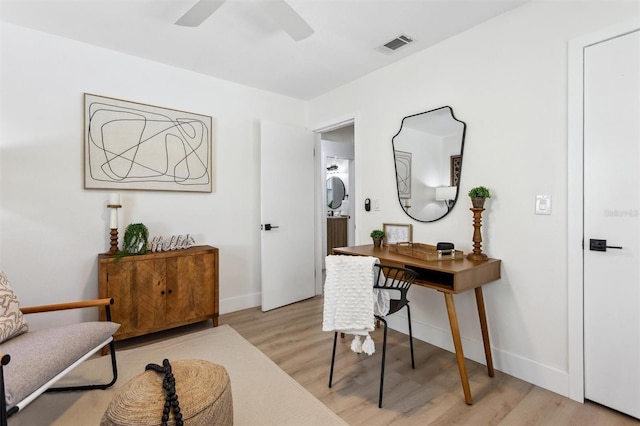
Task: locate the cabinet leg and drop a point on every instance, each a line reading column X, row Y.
column 457, row 344
column 485, row 331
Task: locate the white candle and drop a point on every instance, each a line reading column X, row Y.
column 113, row 223
column 114, row 199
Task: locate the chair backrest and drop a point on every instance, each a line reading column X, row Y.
column 393, row 278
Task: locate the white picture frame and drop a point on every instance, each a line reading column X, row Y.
column 397, row 233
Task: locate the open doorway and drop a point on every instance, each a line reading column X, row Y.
column 337, row 168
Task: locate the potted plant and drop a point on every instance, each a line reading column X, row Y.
column 478, row 195
column 378, row 236
column 136, row 238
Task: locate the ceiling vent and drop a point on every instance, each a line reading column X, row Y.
column 395, row 44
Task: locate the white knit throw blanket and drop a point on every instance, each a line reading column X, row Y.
column 349, row 299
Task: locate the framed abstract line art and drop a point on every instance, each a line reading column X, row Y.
column 128, row 145
column 456, row 162
column 397, row 233
column 403, row 173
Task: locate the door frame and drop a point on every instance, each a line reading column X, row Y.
column 575, row 199
column 345, row 120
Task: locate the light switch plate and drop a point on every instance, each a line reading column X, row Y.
column 543, row 204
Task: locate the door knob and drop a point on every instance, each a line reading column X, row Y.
column 268, row 227
column 600, row 245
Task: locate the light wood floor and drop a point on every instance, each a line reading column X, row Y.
column 429, row 395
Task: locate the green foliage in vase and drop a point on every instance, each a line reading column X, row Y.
column 479, row 192
column 377, row 233
column 136, row 238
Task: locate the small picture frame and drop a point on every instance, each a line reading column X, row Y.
column 456, row 163
column 403, row 173
column 397, row 233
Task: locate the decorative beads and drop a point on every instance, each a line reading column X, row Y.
column 171, row 400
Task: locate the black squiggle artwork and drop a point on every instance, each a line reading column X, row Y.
column 135, row 146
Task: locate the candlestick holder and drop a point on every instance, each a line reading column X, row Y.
column 113, row 234
column 477, row 236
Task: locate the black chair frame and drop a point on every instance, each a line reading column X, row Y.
column 395, row 278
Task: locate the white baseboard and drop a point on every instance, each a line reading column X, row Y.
column 246, row 301
column 530, row 371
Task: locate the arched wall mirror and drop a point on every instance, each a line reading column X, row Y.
column 335, row 192
column 428, row 156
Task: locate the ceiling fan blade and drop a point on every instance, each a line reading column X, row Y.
column 288, row 19
column 199, row 13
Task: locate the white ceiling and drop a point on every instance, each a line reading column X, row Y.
column 240, row 42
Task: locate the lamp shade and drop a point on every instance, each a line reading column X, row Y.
column 444, row 193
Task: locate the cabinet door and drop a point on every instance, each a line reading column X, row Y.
column 190, row 287
column 336, row 233
column 138, row 290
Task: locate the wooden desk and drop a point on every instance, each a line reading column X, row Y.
column 448, row 277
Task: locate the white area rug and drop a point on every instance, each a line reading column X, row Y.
column 263, row 394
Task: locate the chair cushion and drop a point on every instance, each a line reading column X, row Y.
column 38, row 356
column 12, row 322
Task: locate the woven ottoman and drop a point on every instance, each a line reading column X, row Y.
column 203, row 389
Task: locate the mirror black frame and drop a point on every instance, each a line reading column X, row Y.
column 344, row 192
column 464, row 131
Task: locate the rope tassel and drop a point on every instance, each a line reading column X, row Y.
column 356, row 345
column 368, row 346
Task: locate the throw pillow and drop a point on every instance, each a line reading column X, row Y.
column 12, row 322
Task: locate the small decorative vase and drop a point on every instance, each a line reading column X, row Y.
column 477, row 202
column 377, row 242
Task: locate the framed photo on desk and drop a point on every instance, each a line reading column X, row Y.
column 397, row 233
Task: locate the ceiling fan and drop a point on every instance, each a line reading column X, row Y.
column 279, row 10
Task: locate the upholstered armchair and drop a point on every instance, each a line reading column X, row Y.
column 31, row 362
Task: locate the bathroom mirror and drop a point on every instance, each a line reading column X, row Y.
column 428, row 157
column 335, row 192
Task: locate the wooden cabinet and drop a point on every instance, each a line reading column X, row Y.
column 336, row 233
column 157, row 291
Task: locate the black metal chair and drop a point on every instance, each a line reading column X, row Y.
column 396, row 280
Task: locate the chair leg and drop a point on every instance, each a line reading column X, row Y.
column 114, row 370
column 3, row 411
column 413, row 364
column 333, row 358
column 384, row 356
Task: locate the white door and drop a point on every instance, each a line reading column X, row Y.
column 611, row 213
column 287, row 208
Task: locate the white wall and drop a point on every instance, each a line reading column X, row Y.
column 507, row 79
column 51, row 229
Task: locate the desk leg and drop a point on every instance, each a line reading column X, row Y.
column 485, row 331
column 457, row 344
